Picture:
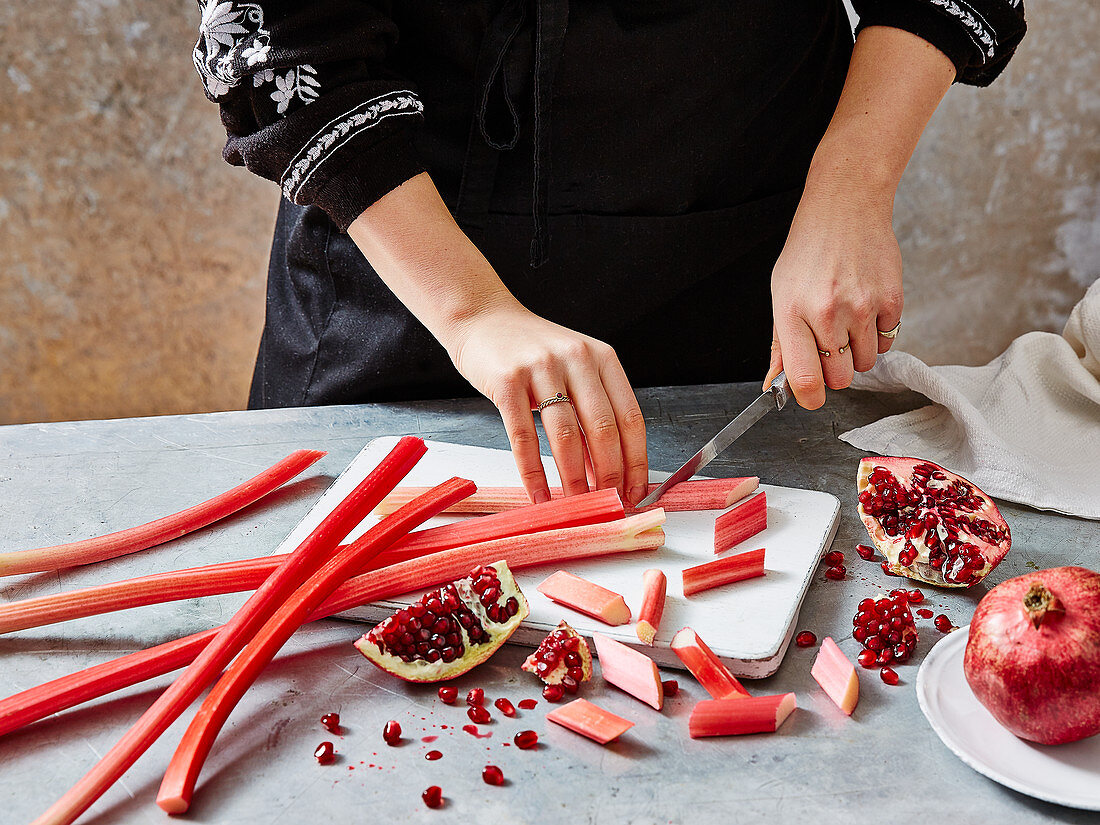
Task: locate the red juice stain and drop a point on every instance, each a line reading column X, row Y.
column 431, row 756
column 528, row 704
column 473, row 731
column 428, row 738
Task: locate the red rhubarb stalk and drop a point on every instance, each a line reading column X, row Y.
column 740, row 522
column 161, row 530
column 581, row 716
column 236, row 632
column 747, row 565
column 586, row 597
column 629, row 669
column 705, row 666
column 732, row 717
column 654, row 587
column 239, row 576
column 694, row 494
column 639, row 532
column 836, row 675
column 183, row 771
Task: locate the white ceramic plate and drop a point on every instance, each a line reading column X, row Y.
column 1065, row 774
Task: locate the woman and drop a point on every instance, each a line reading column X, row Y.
column 559, row 200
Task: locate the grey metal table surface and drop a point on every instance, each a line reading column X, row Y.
column 63, row 481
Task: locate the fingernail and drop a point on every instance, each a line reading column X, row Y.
column 542, row 496
column 637, row 493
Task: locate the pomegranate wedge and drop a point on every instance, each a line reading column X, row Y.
column 163, row 529
column 705, row 666
column 586, row 597
column 726, row 570
column 654, row 588
column 629, row 669
column 581, row 716
column 733, row 717
column 836, row 675
column 742, row 521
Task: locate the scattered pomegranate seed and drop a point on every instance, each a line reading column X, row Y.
column 671, row 687
column 431, row 756
column 492, row 775
column 915, row 597
column 476, row 696
column 924, row 613
column 866, row 658
column 331, row 722
column 433, row 797
column 526, row 739
column 325, row 753
column 865, row 551
column 833, row 558
column 528, row 704
column 886, row 569
column 392, row 732
column 448, row 695
column 835, row 573
column 889, row 675
column 505, row 707
column 478, row 715
column 553, row 693
column 805, row 639
column 943, row 624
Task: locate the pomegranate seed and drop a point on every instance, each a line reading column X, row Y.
column 528, row 704
column 915, row 597
column 433, row 797
column 478, row 715
column 805, row 639
column 553, row 693
column 526, row 739
column 492, row 775
column 924, row 613
column 476, row 696
column 833, row 558
column 943, row 624
column 865, row 551
column 886, row 569
column 432, row 756
column 835, row 573
column 392, row 732
column 325, row 753
column 889, row 675
column 671, row 687
column 448, row 695
column 505, row 707
column 331, row 722
column 866, row 658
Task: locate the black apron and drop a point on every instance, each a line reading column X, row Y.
column 630, row 169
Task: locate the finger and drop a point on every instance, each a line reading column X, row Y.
column 563, row 431
column 631, row 424
column 600, row 428
column 834, row 348
column 775, row 363
column 802, row 362
column 889, row 316
column 519, row 423
column 864, row 346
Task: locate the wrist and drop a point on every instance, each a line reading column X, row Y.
column 845, row 166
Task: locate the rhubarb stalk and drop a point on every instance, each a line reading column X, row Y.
column 733, row 717
column 161, row 530
column 741, row 522
column 586, row 597
column 726, row 570
column 705, row 666
column 654, row 587
column 236, row 632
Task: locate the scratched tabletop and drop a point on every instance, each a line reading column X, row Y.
column 64, row 481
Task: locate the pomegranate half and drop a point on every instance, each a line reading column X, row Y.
column 931, row 524
column 1033, row 654
column 447, row 631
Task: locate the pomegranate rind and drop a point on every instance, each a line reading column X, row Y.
column 735, row 717
column 741, row 522
column 587, row 719
column 921, row 567
column 1040, row 683
column 586, row 597
column 560, row 670
column 630, row 670
column 836, row 675
column 707, row 669
column 421, row 670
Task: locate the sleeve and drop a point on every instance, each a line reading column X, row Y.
column 307, row 100
column 979, row 36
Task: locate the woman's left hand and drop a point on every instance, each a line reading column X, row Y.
column 836, row 286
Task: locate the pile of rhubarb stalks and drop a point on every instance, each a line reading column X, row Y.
column 322, row 577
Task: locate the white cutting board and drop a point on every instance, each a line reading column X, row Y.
column 748, row 624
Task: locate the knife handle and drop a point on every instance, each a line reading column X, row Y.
column 780, row 390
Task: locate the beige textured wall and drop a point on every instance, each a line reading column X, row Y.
column 132, row 258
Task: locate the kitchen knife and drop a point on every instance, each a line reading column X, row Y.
column 773, row 398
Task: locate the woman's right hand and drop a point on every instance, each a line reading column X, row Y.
column 517, row 359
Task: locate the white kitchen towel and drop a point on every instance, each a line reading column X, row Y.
column 1025, row 427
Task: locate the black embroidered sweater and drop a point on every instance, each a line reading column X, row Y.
column 322, row 97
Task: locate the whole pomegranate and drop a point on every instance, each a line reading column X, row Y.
column 1033, row 655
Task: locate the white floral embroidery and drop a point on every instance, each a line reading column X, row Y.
column 256, row 53
column 979, row 29
column 300, row 83
column 263, row 76
column 232, row 39
column 339, row 131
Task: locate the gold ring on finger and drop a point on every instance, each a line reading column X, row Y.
column 557, row 398
column 893, row 333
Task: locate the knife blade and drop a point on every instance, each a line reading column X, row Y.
column 773, row 398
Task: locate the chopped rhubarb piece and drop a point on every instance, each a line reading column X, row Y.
column 693, row 494
column 654, row 585
column 582, row 717
column 163, row 529
column 586, row 597
column 731, row 717
column 726, row 570
column 836, row 675
column 630, row 670
column 705, row 666
column 740, row 522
